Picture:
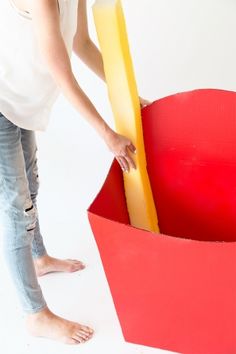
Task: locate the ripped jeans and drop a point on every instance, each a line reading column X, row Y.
column 18, row 211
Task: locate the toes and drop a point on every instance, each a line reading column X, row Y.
column 84, row 334
column 80, row 265
column 86, row 329
column 73, row 341
column 75, row 265
column 80, row 338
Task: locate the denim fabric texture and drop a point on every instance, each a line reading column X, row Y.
column 22, row 239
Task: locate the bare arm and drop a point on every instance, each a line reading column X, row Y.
column 46, row 25
column 83, row 46
column 86, row 50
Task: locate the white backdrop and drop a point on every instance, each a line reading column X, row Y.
column 176, row 45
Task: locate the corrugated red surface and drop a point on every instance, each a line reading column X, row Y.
column 177, row 290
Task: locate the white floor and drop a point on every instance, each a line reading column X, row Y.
column 71, row 171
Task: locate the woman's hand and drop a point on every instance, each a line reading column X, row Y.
column 121, row 147
column 144, row 102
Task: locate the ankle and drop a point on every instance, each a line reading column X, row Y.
column 45, row 313
column 42, row 260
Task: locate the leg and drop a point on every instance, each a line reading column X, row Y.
column 29, row 147
column 19, row 217
column 43, row 262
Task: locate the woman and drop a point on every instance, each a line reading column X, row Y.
column 34, row 67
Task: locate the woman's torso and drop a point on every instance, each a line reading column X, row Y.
column 21, row 7
column 27, row 89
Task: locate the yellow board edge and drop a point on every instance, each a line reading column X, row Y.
column 122, row 91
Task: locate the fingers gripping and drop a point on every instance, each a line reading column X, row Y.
column 124, row 159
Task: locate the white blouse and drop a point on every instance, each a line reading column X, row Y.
column 27, row 88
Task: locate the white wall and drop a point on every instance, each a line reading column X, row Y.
column 176, row 45
column 180, row 45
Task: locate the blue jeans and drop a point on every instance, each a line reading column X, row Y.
column 19, row 184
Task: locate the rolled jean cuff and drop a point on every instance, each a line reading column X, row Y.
column 36, row 309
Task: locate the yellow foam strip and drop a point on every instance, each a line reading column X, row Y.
column 123, row 95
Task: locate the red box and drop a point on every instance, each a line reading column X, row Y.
column 177, row 290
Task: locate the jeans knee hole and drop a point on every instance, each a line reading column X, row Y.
column 31, row 214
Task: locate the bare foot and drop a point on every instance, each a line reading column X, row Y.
column 47, row 324
column 47, row 264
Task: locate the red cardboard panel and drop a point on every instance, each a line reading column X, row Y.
column 177, row 290
column 190, row 141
